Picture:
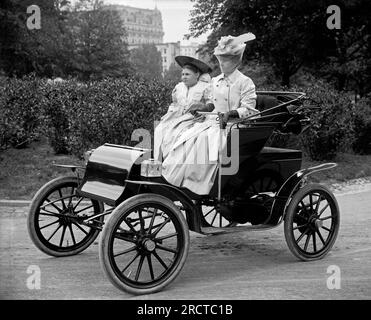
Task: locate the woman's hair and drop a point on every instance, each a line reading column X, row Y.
column 192, row 68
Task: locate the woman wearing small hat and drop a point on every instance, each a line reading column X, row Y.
column 192, row 92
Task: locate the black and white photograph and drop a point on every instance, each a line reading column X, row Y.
column 186, row 156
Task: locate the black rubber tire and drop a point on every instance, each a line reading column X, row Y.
column 33, row 221
column 107, row 244
column 305, row 219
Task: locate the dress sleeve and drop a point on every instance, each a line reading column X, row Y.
column 207, row 96
column 248, row 99
column 173, row 95
column 174, row 104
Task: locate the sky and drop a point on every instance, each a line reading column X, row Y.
column 175, row 16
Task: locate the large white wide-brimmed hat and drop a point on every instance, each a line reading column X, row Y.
column 233, row 46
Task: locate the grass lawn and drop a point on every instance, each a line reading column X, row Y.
column 24, row 171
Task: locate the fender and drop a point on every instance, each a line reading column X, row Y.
column 286, row 191
column 175, row 194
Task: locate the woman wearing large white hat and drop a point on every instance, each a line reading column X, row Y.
column 233, row 92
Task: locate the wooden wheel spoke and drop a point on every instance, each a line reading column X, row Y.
column 321, row 238
column 130, row 226
column 211, row 210
column 327, row 229
column 216, row 213
column 166, row 237
column 55, row 231
column 49, row 224
column 167, row 220
column 49, row 213
column 129, row 264
column 301, row 226
column 61, row 199
column 141, row 221
column 326, row 218
column 314, row 242
column 51, row 203
column 139, row 267
column 152, row 221
column 159, row 259
column 83, row 209
column 62, row 237
column 306, row 242
column 149, row 261
column 125, row 251
column 301, row 236
column 77, row 203
column 323, row 209
column 318, row 203
column 127, row 236
column 72, row 194
column 77, row 225
column 161, row 247
column 72, row 235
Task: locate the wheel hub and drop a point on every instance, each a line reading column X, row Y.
column 149, row 245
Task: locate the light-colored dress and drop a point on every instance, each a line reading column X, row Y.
column 190, row 159
column 182, row 99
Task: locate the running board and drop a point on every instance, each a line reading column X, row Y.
column 242, row 228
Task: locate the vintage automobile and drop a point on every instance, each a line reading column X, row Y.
column 145, row 240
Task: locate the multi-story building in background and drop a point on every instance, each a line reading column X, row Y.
column 168, row 53
column 190, row 50
column 142, row 25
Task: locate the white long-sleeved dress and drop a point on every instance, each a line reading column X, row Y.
column 190, row 149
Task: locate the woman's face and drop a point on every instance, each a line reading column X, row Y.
column 189, row 77
column 228, row 64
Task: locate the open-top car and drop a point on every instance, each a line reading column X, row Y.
column 145, row 240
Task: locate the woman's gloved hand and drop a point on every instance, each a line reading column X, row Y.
column 229, row 115
column 199, row 106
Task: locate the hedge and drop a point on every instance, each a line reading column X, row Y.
column 21, row 117
column 78, row 116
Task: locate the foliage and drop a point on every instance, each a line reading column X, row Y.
column 96, row 42
column 332, row 126
column 84, row 40
column 146, row 61
column 293, row 34
column 21, row 118
column 173, row 74
column 362, row 126
column 39, row 50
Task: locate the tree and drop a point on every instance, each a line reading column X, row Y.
column 173, row 74
column 97, row 42
column 290, row 34
column 348, row 63
column 23, row 50
column 146, row 61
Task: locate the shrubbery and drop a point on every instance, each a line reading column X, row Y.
column 332, row 126
column 362, row 126
column 77, row 116
column 21, row 119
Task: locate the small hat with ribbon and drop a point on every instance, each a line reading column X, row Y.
column 233, row 46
